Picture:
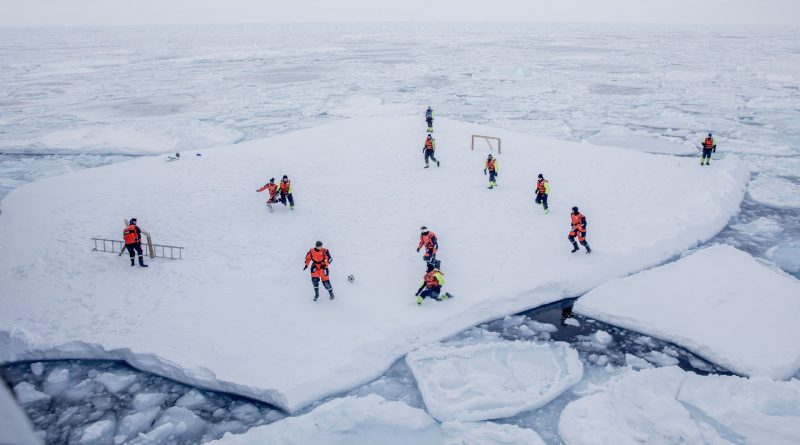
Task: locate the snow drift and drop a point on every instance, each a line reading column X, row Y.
column 705, row 302
column 236, row 315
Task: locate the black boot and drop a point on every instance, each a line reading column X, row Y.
column 133, row 263
column 331, row 292
column 574, row 247
column 588, row 249
column 141, row 262
column 316, row 293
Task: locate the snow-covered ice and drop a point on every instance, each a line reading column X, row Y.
column 221, row 317
column 702, row 302
column 372, row 420
column 668, row 405
column 775, row 192
column 759, row 227
column 492, row 380
column 647, row 142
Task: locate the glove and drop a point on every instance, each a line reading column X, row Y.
column 305, row 267
column 496, row 174
column 484, row 171
column 714, row 150
column 417, row 249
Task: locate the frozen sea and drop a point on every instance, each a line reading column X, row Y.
column 79, row 98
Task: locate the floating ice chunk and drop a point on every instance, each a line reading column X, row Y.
column 571, row 321
column 635, row 410
column 246, row 412
column 660, row 359
column 218, row 430
column 142, row 401
column 479, row 433
column 374, row 420
column 758, row 409
column 98, row 433
column 786, row 255
column 193, row 400
column 492, row 380
column 176, row 424
column 57, row 381
column 699, row 302
column 775, row 192
column 115, row 382
column 760, row 226
column 26, row 393
column 602, row 337
column 538, row 326
column 668, row 405
column 81, row 391
column 135, row 423
column 37, row 368
column 637, row 362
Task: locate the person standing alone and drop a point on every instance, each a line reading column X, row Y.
column 319, row 258
column 132, row 235
column 542, row 191
column 493, row 169
column 578, row 229
column 709, row 146
column 429, row 119
column 428, row 149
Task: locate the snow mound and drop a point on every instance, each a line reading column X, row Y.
column 640, row 141
column 775, row 192
column 702, row 301
column 236, row 314
column 372, row 420
column 668, row 405
column 492, row 380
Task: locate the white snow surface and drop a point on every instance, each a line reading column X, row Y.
column 640, row 141
column 492, row 380
column 237, row 315
column 775, row 192
column 374, row 420
column 668, row 405
column 703, row 302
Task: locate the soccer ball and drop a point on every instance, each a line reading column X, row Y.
column 351, row 278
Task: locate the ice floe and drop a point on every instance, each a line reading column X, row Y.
column 372, row 420
column 668, row 405
column 492, row 380
column 702, row 302
column 228, row 316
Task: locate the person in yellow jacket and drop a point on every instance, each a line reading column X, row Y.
column 542, row 191
column 432, row 284
column 492, row 168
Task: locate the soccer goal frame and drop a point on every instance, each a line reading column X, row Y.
column 488, row 140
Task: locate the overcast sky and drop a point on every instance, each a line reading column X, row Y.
column 127, row 12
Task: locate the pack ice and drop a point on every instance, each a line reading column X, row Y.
column 373, row 419
column 492, row 380
column 237, row 313
column 669, row 405
column 719, row 303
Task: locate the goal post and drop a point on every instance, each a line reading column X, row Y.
column 489, row 140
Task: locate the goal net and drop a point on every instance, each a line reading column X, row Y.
column 492, row 142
